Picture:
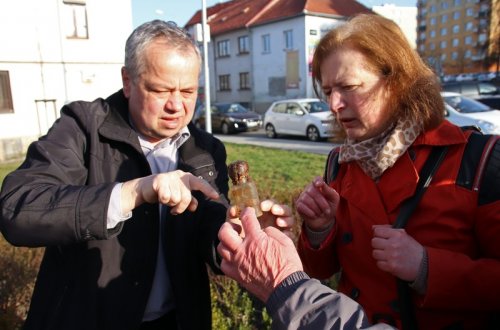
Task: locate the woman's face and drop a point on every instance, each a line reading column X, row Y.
column 356, row 94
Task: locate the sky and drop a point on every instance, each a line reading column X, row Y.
column 180, row 11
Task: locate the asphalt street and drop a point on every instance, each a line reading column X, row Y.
column 260, row 139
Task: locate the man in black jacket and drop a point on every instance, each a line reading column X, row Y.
column 126, row 197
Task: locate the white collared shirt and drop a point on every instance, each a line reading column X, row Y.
column 162, row 157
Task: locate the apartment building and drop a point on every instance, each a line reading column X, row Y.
column 457, row 36
column 261, row 51
column 404, row 16
column 54, row 52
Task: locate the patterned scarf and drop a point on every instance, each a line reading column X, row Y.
column 379, row 153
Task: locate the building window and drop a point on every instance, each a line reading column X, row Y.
column 456, row 15
column 224, row 82
column 433, row 20
column 469, row 26
column 456, row 28
column 223, row 48
column 455, row 42
column 243, row 45
column 422, row 48
column 288, row 34
column 444, row 18
column 433, row 9
column 468, row 53
column 468, row 40
column 266, row 43
column 244, row 80
column 443, row 44
column 6, row 105
column 454, row 56
column 457, row 3
column 432, row 46
column 75, row 19
column 422, row 36
column 444, row 5
column 444, row 31
column 469, row 11
column 432, row 33
column 443, row 57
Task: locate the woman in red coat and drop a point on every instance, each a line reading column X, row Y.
column 388, row 104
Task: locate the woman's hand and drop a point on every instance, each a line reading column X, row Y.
column 396, row 252
column 317, row 205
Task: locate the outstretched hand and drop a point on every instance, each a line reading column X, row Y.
column 261, row 260
column 172, row 189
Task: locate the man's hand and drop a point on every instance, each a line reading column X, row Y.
column 172, row 189
column 261, row 260
column 317, row 205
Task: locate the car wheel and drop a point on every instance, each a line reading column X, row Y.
column 270, row 131
column 224, row 128
column 312, row 133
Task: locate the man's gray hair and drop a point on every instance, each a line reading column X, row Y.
column 176, row 38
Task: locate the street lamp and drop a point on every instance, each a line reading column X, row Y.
column 206, row 35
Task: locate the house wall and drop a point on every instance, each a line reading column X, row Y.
column 231, row 65
column 48, row 70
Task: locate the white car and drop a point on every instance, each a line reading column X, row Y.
column 464, row 111
column 304, row 117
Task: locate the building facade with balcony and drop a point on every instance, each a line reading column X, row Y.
column 54, row 52
column 260, row 51
column 459, row 36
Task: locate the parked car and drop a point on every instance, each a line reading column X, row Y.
column 484, row 92
column 464, row 111
column 304, row 117
column 228, row 118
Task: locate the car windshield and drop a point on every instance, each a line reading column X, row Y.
column 232, row 108
column 315, row 106
column 465, row 104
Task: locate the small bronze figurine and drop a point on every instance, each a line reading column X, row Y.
column 243, row 193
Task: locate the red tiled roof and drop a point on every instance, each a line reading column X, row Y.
column 239, row 14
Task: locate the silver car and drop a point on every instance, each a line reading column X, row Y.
column 304, row 117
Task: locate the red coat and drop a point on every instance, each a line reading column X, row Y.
column 462, row 240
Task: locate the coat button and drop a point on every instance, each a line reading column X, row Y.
column 347, row 238
column 354, row 293
column 200, row 177
column 211, row 173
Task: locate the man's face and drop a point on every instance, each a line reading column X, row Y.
column 162, row 98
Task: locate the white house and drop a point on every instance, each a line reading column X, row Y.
column 54, row 52
column 260, row 50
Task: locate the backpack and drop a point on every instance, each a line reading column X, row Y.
column 479, row 168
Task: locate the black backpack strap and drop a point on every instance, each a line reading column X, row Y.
column 407, row 311
column 332, row 166
column 425, row 177
column 480, row 167
column 470, row 159
column 487, row 179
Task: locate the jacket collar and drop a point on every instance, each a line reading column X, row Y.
column 116, row 125
column 400, row 181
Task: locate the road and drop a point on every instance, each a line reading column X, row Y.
column 259, row 138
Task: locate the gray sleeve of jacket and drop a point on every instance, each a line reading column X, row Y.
column 300, row 302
